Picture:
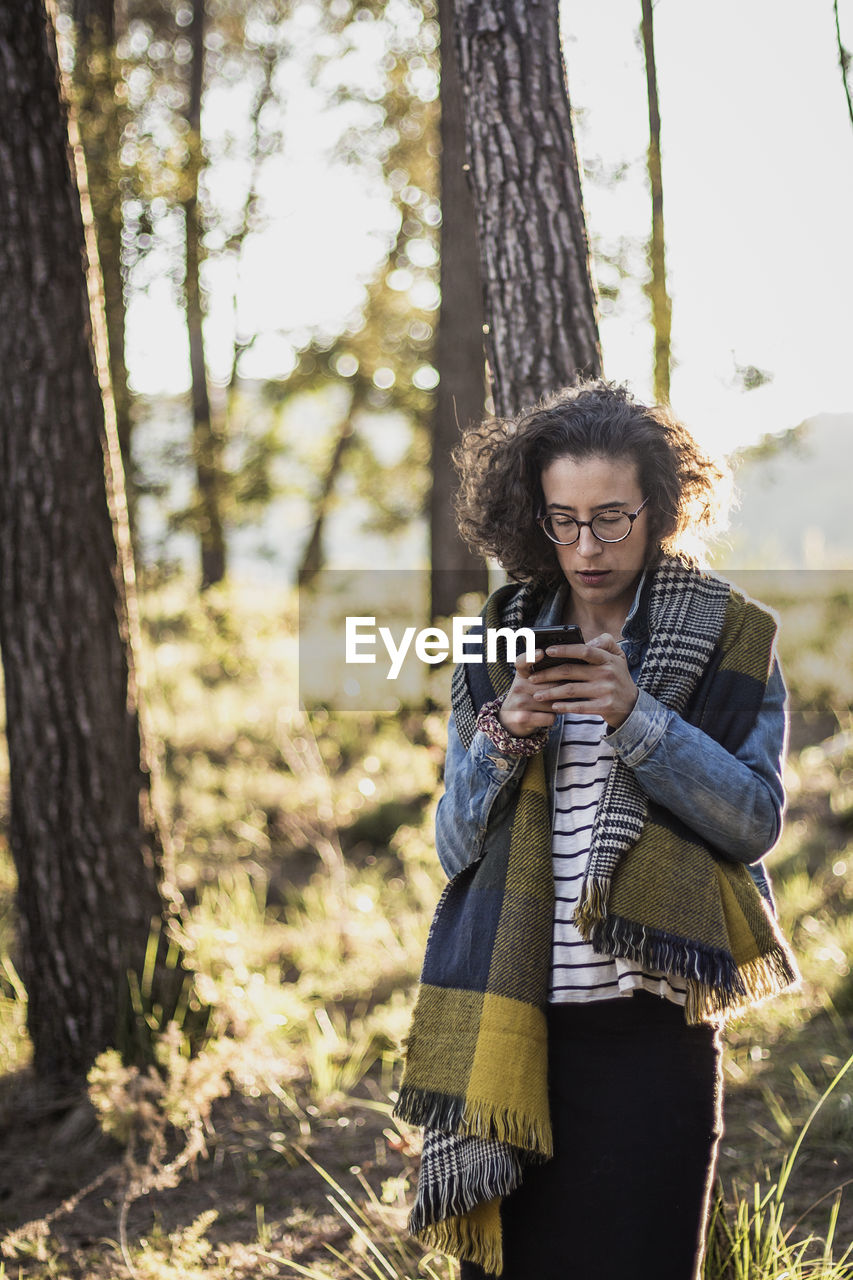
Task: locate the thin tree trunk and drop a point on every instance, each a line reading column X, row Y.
column 101, row 121
column 656, row 288
column 207, row 440
column 238, row 239
column 459, row 346
column 82, row 831
column 843, row 61
column 312, row 557
column 539, row 295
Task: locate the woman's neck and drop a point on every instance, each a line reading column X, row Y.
column 595, row 622
column 602, row 603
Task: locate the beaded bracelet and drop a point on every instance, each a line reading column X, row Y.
column 490, row 725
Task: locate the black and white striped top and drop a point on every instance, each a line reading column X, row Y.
column 578, row 974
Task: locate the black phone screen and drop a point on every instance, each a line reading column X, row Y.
column 567, row 633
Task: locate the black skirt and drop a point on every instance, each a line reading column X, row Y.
column 636, row 1106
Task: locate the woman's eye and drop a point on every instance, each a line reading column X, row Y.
column 609, row 517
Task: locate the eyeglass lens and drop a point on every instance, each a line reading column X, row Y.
column 608, row 526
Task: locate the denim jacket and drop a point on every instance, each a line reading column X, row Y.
column 735, row 802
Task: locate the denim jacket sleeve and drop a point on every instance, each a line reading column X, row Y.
column 477, row 785
column 734, row 801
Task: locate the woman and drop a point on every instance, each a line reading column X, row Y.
column 598, row 823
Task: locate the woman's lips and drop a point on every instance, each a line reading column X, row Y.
column 592, row 577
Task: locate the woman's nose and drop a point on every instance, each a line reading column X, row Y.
column 587, row 542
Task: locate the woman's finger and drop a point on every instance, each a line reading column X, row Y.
column 565, row 671
column 572, row 690
column 524, row 668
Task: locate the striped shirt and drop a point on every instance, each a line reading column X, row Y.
column 579, row 974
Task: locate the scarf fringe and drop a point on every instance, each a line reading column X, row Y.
column 429, row 1109
column 717, row 985
column 466, row 1239
column 681, row 957
column 452, row 1199
column 592, row 907
column 765, row 976
column 472, row 1118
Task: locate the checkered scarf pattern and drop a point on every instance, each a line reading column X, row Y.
column 461, row 1184
column 476, row 1068
column 686, row 617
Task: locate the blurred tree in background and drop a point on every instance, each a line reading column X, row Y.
column 656, row 289
column 844, row 60
column 140, row 89
column 184, row 108
column 382, row 357
column 207, row 440
column 102, row 114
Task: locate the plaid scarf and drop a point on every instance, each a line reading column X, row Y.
column 476, row 1059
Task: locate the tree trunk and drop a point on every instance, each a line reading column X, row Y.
column 459, row 347
column 656, row 288
column 312, row 557
column 843, row 60
column 98, row 15
column 101, row 121
column 207, row 440
column 539, row 296
column 82, row 835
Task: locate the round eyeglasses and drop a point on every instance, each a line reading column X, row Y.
column 606, row 526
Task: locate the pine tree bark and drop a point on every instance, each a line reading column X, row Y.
column 460, row 355
column 82, row 833
column 656, row 288
column 207, row 441
column 101, row 120
column 538, row 290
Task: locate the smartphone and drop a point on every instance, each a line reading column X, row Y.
column 568, row 633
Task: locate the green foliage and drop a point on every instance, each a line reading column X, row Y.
column 752, row 1243
column 136, row 1105
column 380, row 1245
column 14, row 1043
column 815, row 637
column 382, row 356
column 372, row 76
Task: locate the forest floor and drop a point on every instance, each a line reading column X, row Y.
column 258, row 1201
column 253, row 1201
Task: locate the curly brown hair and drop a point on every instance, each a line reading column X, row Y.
column 500, row 462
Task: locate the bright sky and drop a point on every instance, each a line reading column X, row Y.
column 758, row 189
column 758, row 198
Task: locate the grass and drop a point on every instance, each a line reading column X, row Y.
column 753, row 1242
column 382, row 1246
column 304, row 847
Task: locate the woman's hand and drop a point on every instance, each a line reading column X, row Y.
column 521, row 714
column 595, row 679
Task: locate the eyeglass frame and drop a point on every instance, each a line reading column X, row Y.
column 587, row 524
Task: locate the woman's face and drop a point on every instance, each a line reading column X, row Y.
column 603, row 575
